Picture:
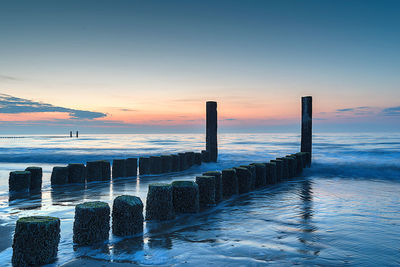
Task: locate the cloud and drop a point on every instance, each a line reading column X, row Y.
column 15, row 105
column 345, row 109
column 127, row 109
column 391, row 111
column 9, row 78
column 357, row 111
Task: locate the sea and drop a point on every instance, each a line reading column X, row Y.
column 343, row 211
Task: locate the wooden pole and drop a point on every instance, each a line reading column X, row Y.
column 211, row 130
column 77, row 134
column 306, row 124
column 70, row 133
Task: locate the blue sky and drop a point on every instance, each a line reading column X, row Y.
column 151, row 65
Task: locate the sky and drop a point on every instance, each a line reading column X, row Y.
column 150, row 66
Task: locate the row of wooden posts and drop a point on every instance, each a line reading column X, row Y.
column 163, row 202
column 36, row 238
column 30, row 180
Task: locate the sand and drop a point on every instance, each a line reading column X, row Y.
column 95, row 263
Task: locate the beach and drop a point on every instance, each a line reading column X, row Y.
column 342, row 210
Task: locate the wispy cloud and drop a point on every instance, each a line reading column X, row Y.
column 127, row 110
column 9, row 78
column 15, row 105
column 391, row 111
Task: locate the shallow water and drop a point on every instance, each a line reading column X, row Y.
column 345, row 210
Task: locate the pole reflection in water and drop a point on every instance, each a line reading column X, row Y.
column 307, row 237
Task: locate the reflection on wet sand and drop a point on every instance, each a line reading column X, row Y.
column 161, row 241
column 129, row 245
column 307, row 237
column 25, row 201
column 67, row 195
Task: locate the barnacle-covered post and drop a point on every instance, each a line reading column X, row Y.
column 35, row 241
column 244, row 179
column 261, row 174
column 206, row 190
column 159, row 202
column 59, row 176
column 218, row 184
column 131, row 167
column 185, row 196
column 271, row 173
column 36, row 178
column 94, row 171
column 229, row 183
column 119, row 168
column 127, row 215
column 252, row 170
column 144, row 165
column 19, row 181
column 76, row 173
column 92, row 223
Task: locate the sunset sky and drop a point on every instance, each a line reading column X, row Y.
column 149, row 66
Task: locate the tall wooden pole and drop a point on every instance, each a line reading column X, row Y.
column 306, row 124
column 211, row 130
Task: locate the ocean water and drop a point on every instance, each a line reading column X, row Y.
column 344, row 210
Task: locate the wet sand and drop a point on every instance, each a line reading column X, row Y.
column 95, row 263
column 6, row 236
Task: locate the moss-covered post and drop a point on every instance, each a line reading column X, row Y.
column 279, row 169
column 94, row 171
column 252, row 170
column 35, row 241
column 127, row 215
column 119, row 168
column 92, row 223
column 206, row 190
column 218, row 184
column 19, row 181
column 131, row 167
column 271, row 172
column 176, row 164
column 230, row 185
column 144, row 165
column 155, row 165
column 166, row 163
column 211, row 130
column 183, row 161
column 159, row 202
column 76, row 173
column 261, row 174
column 36, row 178
column 244, row 179
column 185, row 196
column 59, row 176
column 285, row 168
column 306, row 124
column 299, row 163
column 105, row 170
column 292, row 163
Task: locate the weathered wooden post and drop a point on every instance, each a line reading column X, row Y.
column 77, row 134
column 306, row 124
column 70, row 134
column 211, row 130
column 35, row 241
